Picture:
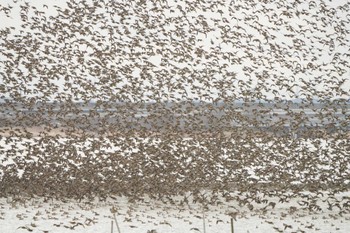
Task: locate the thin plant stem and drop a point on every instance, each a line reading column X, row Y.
column 204, row 231
column 116, row 222
column 232, row 230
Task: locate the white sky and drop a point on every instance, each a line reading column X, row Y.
column 213, row 39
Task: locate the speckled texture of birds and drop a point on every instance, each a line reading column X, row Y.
column 165, row 98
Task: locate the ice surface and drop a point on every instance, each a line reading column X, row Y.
column 39, row 215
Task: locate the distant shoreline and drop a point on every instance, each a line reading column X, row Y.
column 37, row 131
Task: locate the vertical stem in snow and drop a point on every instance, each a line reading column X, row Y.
column 232, row 231
column 204, row 231
column 116, row 222
column 112, row 226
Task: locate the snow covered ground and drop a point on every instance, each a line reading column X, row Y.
column 38, row 215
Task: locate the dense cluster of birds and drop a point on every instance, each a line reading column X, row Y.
column 260, row 53
column 164, row 166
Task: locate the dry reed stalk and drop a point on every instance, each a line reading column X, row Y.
column 232, row 230
column 204, row 231
column 116, row 222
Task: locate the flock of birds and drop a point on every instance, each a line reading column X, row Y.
column 171, row 51
column 181, row 52
column 163, row 166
